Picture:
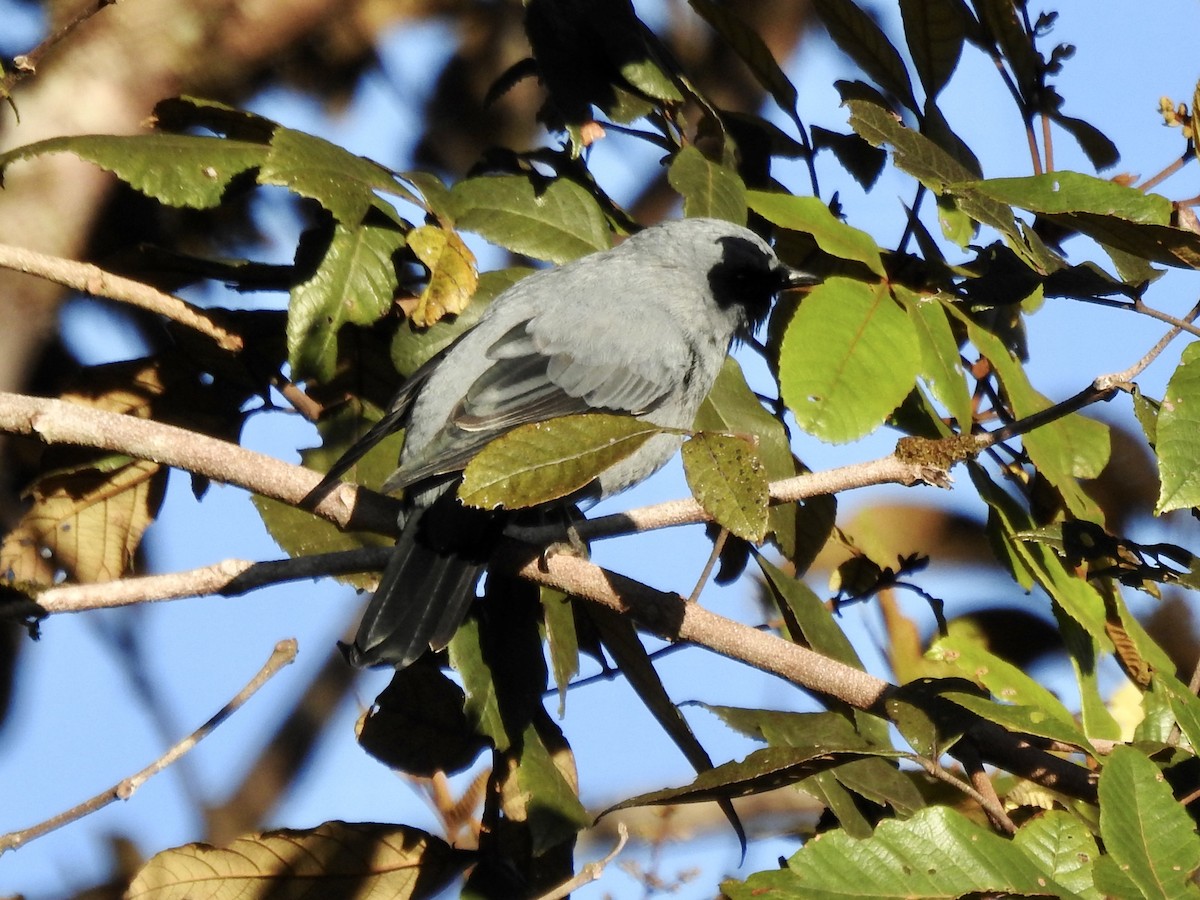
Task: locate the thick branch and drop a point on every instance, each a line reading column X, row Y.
column 60, row 422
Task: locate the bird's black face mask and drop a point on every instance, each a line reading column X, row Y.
column 747, row 278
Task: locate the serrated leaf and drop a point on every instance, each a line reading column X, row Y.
column 547, row 796
column 1071, row 192
column 343, row 183
column 1035, row 561
column 452, row 275
column 1024, row 719
column 811, row 216
column 1177, row 436
column 849, row 357
column 857, row 35
column 936, row 853
column 552, row 220
column 333, row 860
column 708, row 188
column 176, row 169
column 935, row 31
column 482, row 707
column 748, row 45
column 1145, row 830
column 544, row 461
column 1064, row 848
column 819, row 630
column 1000, row 677
column 355, row 283
column 727, row 476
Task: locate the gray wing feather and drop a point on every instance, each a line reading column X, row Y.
column 544, row 368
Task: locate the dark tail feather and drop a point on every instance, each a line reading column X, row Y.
column 428, row 585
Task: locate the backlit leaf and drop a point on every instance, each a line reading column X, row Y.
column 452, row 274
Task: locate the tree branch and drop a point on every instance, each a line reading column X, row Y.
column 283, row 654
column 89, row 279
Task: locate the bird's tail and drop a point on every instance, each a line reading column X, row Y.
column 428, row 584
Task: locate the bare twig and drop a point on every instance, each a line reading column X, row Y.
column 590, row 872
column 1155, row 180
column 90, row 279
column 26, row 64
column 283, row 654
column 229, row 578
column 990, row 804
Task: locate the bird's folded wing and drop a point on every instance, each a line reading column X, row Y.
column 542, row 369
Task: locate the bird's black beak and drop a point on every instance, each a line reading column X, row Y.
column 794, row 278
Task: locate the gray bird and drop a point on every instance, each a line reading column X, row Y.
column 641, row 329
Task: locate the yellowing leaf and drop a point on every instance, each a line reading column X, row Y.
column 452, row 274
column 336, row 859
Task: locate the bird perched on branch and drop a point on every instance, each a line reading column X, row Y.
column 641, row 329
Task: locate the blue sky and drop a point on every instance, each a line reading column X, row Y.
column 72, row 698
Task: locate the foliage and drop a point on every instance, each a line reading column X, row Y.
column 925, row 338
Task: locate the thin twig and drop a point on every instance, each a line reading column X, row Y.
column 1155, row 180
column 26, row 64
column 283, row 654
column 1047, row 143
column 990, row 805
column 717, row 547
column 590, row 872
column 1126, row 376
column 90, row 279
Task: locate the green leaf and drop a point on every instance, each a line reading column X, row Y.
column 543, row 461
column 1070, row 192
column 1064, row 848
column 935, row 31
column 1000, row 677
column 561, row 640
column 355, row 283
column 857, row 35
column 553, row 810
column 1177, row 436
column 482, row 706
column 728, row 478
column 936, row 853
column 849, row 357
column 175, row 169
column 1033, row 560
column 708, row 189
column 1185, row 705
column 864, row 162
column 933, row 167
column 553, row 220
column 762, row 770
column 1146, row 832
column 343, row 183
column 799, row 529
column 1024, row 719
column 941, row 363
column 818, row 629
column 747, row 44
column 811, row 216
column 1064, row 450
